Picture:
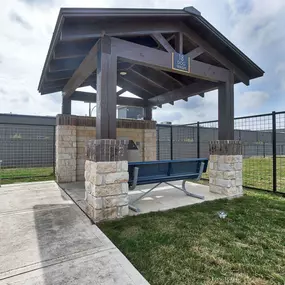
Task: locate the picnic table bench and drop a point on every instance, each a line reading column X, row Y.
column 165, row 171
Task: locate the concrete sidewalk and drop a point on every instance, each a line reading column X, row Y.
column 46, row 239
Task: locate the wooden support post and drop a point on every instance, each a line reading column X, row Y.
column 179, row 43
column 66, row 106
column 148, row 113
column 226, row 109
column 106, row 91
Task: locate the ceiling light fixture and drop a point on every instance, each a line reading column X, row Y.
column 123, row 73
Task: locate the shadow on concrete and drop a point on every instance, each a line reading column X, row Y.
column 63, row 243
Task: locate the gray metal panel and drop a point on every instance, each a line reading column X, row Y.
column 184, row 142
column 27, row 145
column 255, row 143
column 27, row 120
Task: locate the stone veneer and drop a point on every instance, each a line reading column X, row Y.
column 106, row 179
column 65, row 145
column 225, row 168
column 143, row 133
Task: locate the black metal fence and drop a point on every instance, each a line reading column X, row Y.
column 27, row 149
column 263, row 138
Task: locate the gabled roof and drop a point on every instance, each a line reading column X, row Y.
column 78, row 29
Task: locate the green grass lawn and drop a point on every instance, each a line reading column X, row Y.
column 16, row 175
column 257, row 173
column 192, row 245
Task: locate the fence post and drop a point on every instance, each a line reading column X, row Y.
column 171, row 143
column 0, row 172
column 198, row 139
column 264, row 152
column 157, row 143
column 274, row 168
column 53, row 150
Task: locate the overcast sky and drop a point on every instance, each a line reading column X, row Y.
column 255, row 26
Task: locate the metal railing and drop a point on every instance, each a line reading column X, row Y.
column 263, row 138
column 27, row 152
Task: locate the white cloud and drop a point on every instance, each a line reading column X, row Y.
column 280, row 72
column 27, row 26
column 196, row 109
column 249, row 103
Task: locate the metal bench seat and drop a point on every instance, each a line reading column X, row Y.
column 165, row 171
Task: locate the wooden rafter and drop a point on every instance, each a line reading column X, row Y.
column 192, row 35
column 88, row 66
column 132, row 88
column 83, row 32
column 160, row 39
column 120, row 92
column 195, row 52
column 146, row 75
column 147, row 93
column 92, row 98
column 184, row 92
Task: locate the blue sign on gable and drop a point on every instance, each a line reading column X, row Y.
column 180, row 62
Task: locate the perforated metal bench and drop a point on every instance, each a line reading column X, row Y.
column 165, row 171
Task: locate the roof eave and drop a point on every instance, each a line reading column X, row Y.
column 228, row 43
column 107, row 12
column 54, row 39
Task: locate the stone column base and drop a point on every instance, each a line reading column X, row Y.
column 65, row 145
column 106, row 180
column 225, row 168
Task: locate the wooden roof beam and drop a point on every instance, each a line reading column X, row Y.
column 195, row 52
column 87, row 66
column 147, row 93
column 120, row 92
column 172, row 78
column 157, row 76
column 201, row 95
column 132, row 88
column 193, row 36
column 145, row 76
column 92, row 97
column 162, row 60
column 184, row 92
column 161, row 40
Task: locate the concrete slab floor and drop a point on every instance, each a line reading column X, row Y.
column 162, row 198
column 46, row 239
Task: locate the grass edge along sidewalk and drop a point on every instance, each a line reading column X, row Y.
column 192, row 245
column 28, row 174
